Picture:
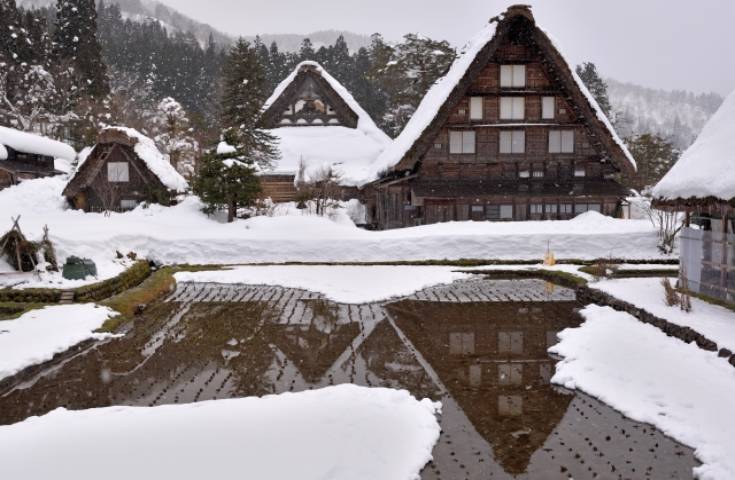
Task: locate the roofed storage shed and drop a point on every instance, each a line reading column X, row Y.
column 25, row 155
column 124, row 169
column 509, row 133
column 702, row 184
column 319, row 124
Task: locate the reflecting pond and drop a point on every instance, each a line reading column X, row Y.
column 479, row 346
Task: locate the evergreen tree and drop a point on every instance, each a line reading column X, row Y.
column 596, row 85
column 307, row 50
column 243, row 95
column 77, row 49
column 654, row 155
column 173, row 135
column 227, row 179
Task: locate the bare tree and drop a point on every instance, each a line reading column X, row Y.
column 321, row 186
column 668, row 224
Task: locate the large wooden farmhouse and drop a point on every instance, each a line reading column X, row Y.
column 25, row 156
column 702, row 184
column 318, row 124
column 123, row 170
column 510, row 133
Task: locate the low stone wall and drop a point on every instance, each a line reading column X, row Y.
column 131, row 277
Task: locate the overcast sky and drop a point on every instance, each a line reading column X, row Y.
column 659, row 43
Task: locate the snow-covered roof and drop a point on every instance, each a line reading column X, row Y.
column 146, row 149
column 30, row 143
column 351, row 151
column 707, row 168
column 440, row 92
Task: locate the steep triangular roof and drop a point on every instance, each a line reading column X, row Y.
column 707, row 168
column 341, row 98
column 445, row 95
column 143, row 147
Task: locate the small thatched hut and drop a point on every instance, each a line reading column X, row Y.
column 702, row 184
column 123, row 170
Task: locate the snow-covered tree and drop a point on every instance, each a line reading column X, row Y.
column 596, row 85
column 243, row 96
column 226, row 179
column 173, row 135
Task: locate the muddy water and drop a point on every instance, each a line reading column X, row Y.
column 478, row 346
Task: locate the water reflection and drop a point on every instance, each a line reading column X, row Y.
column 478, row 346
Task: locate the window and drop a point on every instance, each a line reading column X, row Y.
column 461, row 343
column 512, row 76
column 548, row 107
column 462, row 142
column 537, row 209
column 561, row 141
column 580, row 208
column 580, row 171
column 594, row 207
column 551, row 210
column 512, row 108
column 506, row 212
column 538, row 171
column 118, row 172
column 128, row 204
column 510, row 342
column 476, row 108
column 492, row 212
column 524, row 174
column 566, row 208
column 510, row 373
column 437, row 146
column 513, row 141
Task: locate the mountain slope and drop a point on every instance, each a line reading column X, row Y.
column 677, row 115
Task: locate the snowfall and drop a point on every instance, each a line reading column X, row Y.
column 333, row 433
column 683, row 390
column 183, row 234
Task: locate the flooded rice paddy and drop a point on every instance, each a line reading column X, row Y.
column 479, row 346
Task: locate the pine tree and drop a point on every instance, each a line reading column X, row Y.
column 226, row 179
column 596, row 85
column 244, row 92
column 306, row 52
column 654, row 155
column 76, row 47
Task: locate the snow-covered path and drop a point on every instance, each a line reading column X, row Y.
column 653, row 378
column 342, row 432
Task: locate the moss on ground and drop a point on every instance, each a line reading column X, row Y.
column 13, row 310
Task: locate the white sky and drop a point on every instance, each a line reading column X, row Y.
column 667, row 44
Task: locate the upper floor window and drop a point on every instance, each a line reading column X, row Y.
column 118, row 172
column 513, row 141
column 476, row 108
column 580, row 171
column 462, row 141
column 512, row 108
column 548, row 108
column 512, row 76
column 561, row 141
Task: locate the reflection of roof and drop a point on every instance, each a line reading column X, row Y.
column 35, row 144
column 707, row 168
column 469, row 188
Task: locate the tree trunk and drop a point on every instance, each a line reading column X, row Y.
column 231, row 211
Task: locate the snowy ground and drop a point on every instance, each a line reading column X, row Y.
column 342, row 284
column 652, row 378
column 343, row 432
column 182, row 234
column 38, row 335
column 715, row 323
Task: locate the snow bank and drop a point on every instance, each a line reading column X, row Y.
column 31, row 143
column 679, row 388
column 342, row 432
column 342, row 284
column 715, row 323
column 706, row 168
column 38, row 335
column 182, row 234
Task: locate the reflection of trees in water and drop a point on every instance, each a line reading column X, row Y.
column 493, row 359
